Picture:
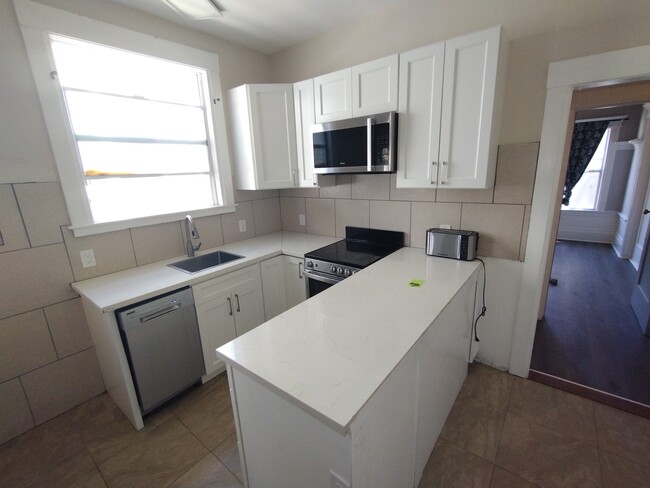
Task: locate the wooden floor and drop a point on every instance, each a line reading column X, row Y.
column 589, row 334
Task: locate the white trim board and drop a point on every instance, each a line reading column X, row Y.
column 601, row 69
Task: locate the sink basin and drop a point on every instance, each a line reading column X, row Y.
column 205, row 261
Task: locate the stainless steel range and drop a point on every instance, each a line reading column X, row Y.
column 361, row 247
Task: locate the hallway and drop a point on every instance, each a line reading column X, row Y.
column 589, row 334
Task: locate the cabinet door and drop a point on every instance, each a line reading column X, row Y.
column 374, row 86
column 333, row 96
column 420, row 106
column 249, row 306
column 470, row 81
column 295, row 281
column 273, row 288
column 303, row 102
column 217, row 327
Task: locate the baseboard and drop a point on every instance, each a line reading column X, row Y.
column 599, row 396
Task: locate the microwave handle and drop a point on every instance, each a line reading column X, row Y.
column 369, row 122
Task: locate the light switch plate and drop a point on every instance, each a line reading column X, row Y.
column 242, row 225
column 301, row 218
column 87, row 258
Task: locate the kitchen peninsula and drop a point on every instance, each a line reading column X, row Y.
column 352, row 387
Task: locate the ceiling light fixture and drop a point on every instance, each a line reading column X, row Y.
column 196, row 9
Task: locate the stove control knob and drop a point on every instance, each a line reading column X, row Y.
column 333, row 269
column 354, row 272
column 346, row 273
column 310, row 264
column 339, row 270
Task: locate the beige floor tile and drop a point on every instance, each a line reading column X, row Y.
column 104, row 428
column 547, row 458
column 208, row 473
column 555, row 409
column 505, row 479
column 623, row 433
column 159, row 458
column 452, row 467
column 618, row 472
column 228, row 453
column 91, row 479
column 210, row 418
column 51, row 455
column 475, row 426
column 488, row 385
column 192, row 395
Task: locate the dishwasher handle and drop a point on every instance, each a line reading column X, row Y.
column 159, row 313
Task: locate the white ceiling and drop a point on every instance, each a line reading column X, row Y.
column 269, row 26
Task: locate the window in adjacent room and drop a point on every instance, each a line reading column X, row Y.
column 136, row 122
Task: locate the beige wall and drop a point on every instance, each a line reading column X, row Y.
column 47, row 361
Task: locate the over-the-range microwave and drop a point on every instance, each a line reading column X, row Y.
column 358, row 145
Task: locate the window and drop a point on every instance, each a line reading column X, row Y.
column 136, row 123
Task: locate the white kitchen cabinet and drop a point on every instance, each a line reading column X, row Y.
column 273, row 286
column 295, row 282
column 303, row 103
column 365, row 89
column 449, row 105
column 227, row 307
column 263, row 132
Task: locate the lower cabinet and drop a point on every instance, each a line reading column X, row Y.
column 283, row 283
column 227, row 307
column 294, row 280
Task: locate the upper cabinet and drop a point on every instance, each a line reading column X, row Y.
column 263, row 136
column 303, row 102
column 365, row 89
column 448, row 108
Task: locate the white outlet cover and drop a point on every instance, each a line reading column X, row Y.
column 87, row 258
column 242, row 225
column 445, row 226
column 301, row 218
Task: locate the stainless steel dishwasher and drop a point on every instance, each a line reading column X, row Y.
column 163, row 346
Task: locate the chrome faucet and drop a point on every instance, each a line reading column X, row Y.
column 191, row 233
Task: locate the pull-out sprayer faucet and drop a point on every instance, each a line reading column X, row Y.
column 191, row 233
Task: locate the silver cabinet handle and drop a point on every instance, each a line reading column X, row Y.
column 300, row 275
column 434, row 172
column 444, row 173
column 237, row 298
column 229, row 305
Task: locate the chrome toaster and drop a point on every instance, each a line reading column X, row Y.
column 452, row 243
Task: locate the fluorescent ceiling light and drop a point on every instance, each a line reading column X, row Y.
column 196, row 9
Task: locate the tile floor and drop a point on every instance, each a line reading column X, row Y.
column 503, row 432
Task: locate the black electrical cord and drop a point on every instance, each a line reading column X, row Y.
column 484, row 308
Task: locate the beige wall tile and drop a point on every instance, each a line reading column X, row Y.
column 335, row 186
column 267, row 215
column 425, row 215
column 305, row 192
column 524, row 233
column 291, row 208
column 113, row 252
column 499, row 228
column 269, row 193
column 210, row 230
column 43, row 210
column 58, row 387
column 230, row 223
column 351, row 212
column 153, row 243
column 25, row 344
column 371, row 187
column 320, row 215
column 34, row 278
column 11, row 224
column 14, row 411
column 410, row 194
column 465, row 196
column 391, row 216
column 285, row 192
column 516, row 167
column 68, row 326
column 247, row 195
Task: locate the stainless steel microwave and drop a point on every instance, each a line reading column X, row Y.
column 359, row 145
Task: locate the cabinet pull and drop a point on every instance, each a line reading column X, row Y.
column 237, row 298
column 444, row 173
column 300, row 275
column 434, row 172
column 229, row 305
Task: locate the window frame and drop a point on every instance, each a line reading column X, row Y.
column 37, row 22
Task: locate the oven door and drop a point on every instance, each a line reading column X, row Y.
column 317, row 282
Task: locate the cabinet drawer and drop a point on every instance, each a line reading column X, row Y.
column 211, row 289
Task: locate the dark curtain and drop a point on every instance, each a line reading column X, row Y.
column 586, row 137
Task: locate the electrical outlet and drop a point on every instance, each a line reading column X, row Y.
column 336, row 481
column 301, row 219
column 445, row 226
column 242, row 225
column 87, row 258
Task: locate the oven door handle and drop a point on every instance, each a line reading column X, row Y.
column 319, row 277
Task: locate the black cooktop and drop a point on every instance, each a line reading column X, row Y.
column 360, row 248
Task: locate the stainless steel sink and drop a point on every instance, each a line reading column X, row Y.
column 205, row 261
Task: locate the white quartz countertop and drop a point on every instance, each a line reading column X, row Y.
column 329, row 354
column 116, row 290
